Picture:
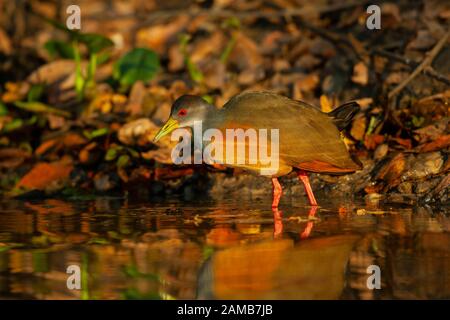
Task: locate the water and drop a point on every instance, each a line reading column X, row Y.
column 224, row 250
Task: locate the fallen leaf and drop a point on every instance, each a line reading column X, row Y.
column 12, row 157
column 390, row 173
column 358, row 128
column 44, row 174
column 371, row 141
column 438, row 144
column 360, row 74
column 52, row 72
column 325, row 104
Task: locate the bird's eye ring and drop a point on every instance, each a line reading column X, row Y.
column 182, row 112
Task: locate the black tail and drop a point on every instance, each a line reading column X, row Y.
column 343, row 115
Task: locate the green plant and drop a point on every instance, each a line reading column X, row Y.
column 138, row 64
column 194, row 72
column 94, row 43
column 233, row 24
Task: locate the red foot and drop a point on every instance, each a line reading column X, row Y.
column 309, row 225
column 277, row 222
column 303, row 176
column 276, row 192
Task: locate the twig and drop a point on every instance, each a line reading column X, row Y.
column 429, row 71
column 425, row 63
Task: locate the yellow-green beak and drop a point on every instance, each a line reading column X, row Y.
column 170, row 125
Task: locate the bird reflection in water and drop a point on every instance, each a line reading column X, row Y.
column 278, row 222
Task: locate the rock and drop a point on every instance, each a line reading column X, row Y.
column 405, row 187
column 425, row 164
column 425, row 186
column 381, row 151
column 106, row 181
column 139, row 132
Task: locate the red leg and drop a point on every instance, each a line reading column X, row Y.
column 277, row 222
column 303, row 176
column 276, row 192
column 309, row 225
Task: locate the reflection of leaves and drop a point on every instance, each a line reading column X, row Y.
column 98, row 241
column 207, row 252
column 132, row 272
column 40, row 262
column 133, row 294
column 138, row 64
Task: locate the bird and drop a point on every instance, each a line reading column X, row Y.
column 309, row 140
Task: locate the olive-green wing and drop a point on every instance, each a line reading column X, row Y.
column 308, row 137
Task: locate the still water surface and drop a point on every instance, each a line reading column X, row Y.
column 231, row 249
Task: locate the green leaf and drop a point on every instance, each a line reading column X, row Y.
column 418, row 121
column 194, row 72
column 138, row 64
column 208, row 98
column 13, row 125
column 228, row 49
column 123, row 161
column 39, row 107
column 35, row 93
column 79, row 80
column 3, row 109
column 96, row 133
column 94, row 42
column 133, row 153
column 59, row 48
column 111, row 154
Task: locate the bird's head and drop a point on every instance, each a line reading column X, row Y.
column 185, row 110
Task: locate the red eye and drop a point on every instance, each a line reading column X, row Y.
column 182, row 112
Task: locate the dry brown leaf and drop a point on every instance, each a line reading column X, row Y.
column 45, row 174
column 358, row 128
column 325, row 104
column 157, row 37
column 12, row 157
column 136, row 98
column 431, row 132
column 392, row 171
column 53, row 71
column 360, row 74
column 438, row 144
column 140, row 132
column 5, row 43
column 371, row 141
column 307, row 83
column 245, row 54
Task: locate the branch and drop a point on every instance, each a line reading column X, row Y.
column 429, row 71
column 421, row 67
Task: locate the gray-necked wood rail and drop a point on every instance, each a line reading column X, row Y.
column 309, row 139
